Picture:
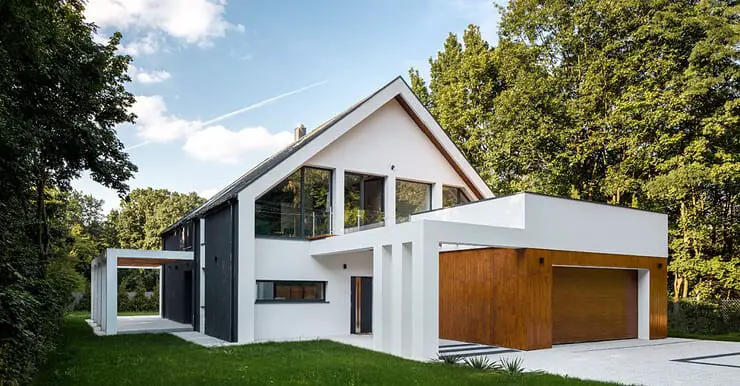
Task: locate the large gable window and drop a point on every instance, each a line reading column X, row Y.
column 299, row 206
column 412, row 197
column 452, row 196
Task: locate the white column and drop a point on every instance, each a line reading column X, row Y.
column 379, row 278
column 111, row 292
column 92, row 290
column 202, row 273
column 643, row 304
column 396, row 308
column 406, row 290
column 161, row 289
column 104, row 295
column 246, row 284
column 437, row 195
column 425, row 296
column 337, row 205
column 390, row 199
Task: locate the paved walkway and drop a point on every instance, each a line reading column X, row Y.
column 669, row 361
column 142, row 324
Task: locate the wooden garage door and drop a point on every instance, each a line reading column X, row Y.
column 590, row 304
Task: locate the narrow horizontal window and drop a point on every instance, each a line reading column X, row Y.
column 291, row 291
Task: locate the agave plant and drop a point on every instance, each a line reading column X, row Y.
column 512, row 366
column 481, row 363
column 451, row 359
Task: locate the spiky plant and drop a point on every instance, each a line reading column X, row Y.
column 512, row 366
column 481, row 363
column 451, row 359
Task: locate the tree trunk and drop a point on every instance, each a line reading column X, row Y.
column 43, row 236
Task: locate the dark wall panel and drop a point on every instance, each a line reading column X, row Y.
column 178, row 292
column 219, row 274
column 179, row 281
column 196, row 275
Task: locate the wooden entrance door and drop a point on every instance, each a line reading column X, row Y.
column 361, row 317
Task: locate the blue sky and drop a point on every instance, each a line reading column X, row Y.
column 220, row 86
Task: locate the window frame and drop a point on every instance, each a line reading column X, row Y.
column 460, row 191
column 291, row 282
column 430, row 193
column 383, row 181
column 300, row 232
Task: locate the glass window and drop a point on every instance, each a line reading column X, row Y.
column 277, row 212
column 412, row 197
column 316, row 202
column 296, row 291
column 299, row 206
column 452, row 195
column 363, row 201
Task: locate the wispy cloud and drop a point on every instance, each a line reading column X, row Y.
column 262, row 103
column 156, row 125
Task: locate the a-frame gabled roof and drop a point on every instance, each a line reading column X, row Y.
column 408, row 101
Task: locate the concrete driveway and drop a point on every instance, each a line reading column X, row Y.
column 670, row 361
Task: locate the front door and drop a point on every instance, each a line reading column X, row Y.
column 361, row 318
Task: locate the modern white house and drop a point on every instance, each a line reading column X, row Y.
column 375, row 224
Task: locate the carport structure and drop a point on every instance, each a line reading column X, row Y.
column 104, row 280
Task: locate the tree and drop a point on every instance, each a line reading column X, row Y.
column 145, row 213
column 464, row 83
column 61, row 95
column 628, row 102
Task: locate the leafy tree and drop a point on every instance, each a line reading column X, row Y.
column 464, row 83
column 145, row 213
column 61, row 95
column 628, row 102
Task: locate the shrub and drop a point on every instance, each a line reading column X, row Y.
column 704, row 316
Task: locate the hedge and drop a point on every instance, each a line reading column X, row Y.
column 709, row 317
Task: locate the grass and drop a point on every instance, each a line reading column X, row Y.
column 159, row 359
column 729, row 337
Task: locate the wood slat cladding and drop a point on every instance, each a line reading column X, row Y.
column 494, row 296
column 503, row 297
column 606, row 310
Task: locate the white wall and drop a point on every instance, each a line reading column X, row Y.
column 389, row 137
column 568, row 225
column 290, row 260
column 505, row 211
column 562, row 224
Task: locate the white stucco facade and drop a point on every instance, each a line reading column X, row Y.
column 379, row 137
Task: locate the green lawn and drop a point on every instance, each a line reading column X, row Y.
column 729, row 337
column 159, row 359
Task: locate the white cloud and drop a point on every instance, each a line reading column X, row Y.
column 208, row 193
column 189, row 21
column 216, row 143
column 147, row 45
column 153, row 124
column 142, row 76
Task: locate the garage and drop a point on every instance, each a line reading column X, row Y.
column 591, row 304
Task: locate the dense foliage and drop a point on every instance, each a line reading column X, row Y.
column 61, row 94
column 704, row 317
column 630, row 102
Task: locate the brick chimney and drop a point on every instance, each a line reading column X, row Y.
column 299, row 132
